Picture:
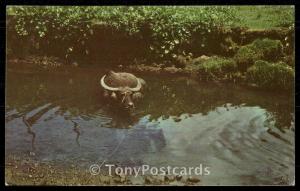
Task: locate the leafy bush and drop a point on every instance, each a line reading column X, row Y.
column 260, row 49
column 217, row 67
column 246, row 56
column 52, row 26
column 165, row 29
column 271, row 75
column 271, row 50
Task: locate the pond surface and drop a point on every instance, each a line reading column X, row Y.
column 245, row 136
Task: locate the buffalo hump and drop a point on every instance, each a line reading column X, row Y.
column 121, row 79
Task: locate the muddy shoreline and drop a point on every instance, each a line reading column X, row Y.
column 44, row 64
column 27, row 171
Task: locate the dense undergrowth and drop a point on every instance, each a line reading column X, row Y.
column 165, row 30
column 146, row 34
column 262, row 63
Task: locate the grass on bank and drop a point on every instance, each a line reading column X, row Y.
column 168, row 31
column 265, row 17
column 261, row 62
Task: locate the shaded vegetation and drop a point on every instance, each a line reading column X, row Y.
column 270, row 49
column 164, row 30
column 217, row 67
column 246, row 56
column 212, row 42
column 158, row 33
column 265, row 49
column 271, row 75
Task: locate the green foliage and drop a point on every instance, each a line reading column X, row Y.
column 166, row 32
column 290, row 60
column 260, row 49
column 40, row 20
column 266, row 16
column 61, row 27
column 271, row 50
column 166, row 28
column 271, row 75
column 246, row 56
column 217, row 67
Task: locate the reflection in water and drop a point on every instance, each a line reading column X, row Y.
column 32, row 120
column 29, row 130
column 41, row 111
column 246, row 136
column 77, row 131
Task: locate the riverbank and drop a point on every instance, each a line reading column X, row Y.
column 156, row 34
column 27, row 171
column 263, row 63
column 218, row 44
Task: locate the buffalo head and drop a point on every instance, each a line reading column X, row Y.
column 122, row 87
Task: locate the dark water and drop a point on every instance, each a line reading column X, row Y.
column 245, row 136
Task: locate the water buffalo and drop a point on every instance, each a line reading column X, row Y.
column 125, row 88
